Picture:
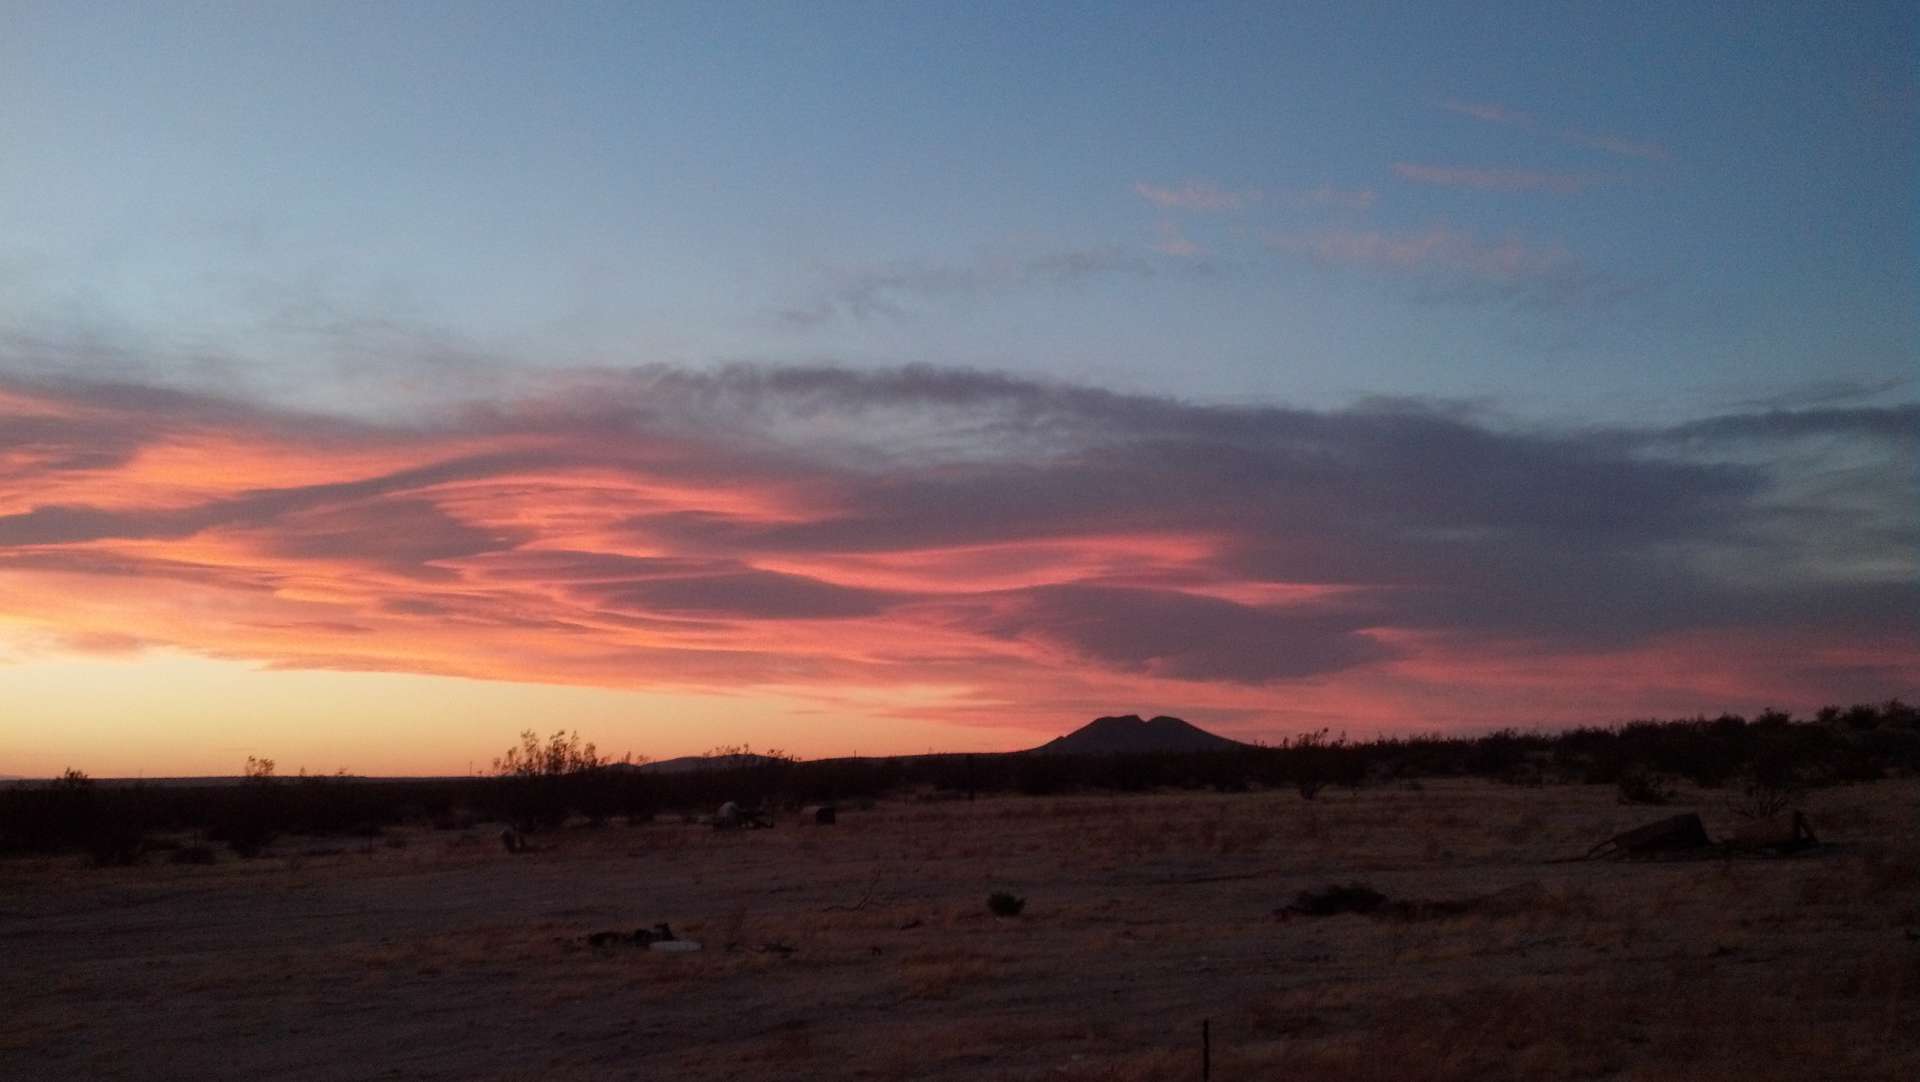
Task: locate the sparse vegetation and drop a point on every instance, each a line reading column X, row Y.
column 1638, row 785
column 1762, row 765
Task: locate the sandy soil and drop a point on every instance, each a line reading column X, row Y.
column 437, row 955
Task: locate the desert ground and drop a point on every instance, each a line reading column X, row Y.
column 865, row 949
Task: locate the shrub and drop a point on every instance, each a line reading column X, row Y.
column 1002, row 904
column 1312, row 766
column 114, row 843
column 1641, row 786
column 194, row 854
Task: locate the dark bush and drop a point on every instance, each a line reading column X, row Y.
column 1641, row 786
column 1334, row 898
column 194, row 854
column 1002, row 904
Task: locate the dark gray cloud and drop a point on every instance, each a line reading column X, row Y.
column 893, row 289
column 1183, row 636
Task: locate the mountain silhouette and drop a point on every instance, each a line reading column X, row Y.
column 1127, row 733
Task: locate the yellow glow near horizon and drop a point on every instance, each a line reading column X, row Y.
column 174, row 714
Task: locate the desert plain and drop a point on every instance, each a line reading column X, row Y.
column 865, row 949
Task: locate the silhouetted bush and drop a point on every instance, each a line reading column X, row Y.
column 1638, row 785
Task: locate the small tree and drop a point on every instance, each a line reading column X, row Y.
column 1312, row 766
column 563, row 753
column 545, row 781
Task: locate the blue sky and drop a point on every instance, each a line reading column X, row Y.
column 1569, row 211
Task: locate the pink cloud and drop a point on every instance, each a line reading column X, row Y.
column 1196, row 195
column 1172, row 241
column 1489, row 180
column 1438, row 248
column 1490, row 112
column 1337, row 198
column 1614, row 144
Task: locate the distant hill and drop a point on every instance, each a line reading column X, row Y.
column 1127, row 733
column 687, row 764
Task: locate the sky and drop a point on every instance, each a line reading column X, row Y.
column 378, row 382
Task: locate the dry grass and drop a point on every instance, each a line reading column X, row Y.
column 864, row 951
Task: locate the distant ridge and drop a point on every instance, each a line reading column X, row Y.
column 1127, row 733
column 687, row 764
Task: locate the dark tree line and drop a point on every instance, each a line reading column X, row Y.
column 541, row 785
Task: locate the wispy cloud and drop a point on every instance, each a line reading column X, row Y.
column 1615, row 144
column 1329, row 197
column 1493, row 113
column 891, row 290
column 1436, row 248
column 1490, row 180
column 1196, row 195
column 1443, row 263
column 1171, row 240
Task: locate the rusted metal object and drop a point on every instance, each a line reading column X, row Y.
column 1675, row 834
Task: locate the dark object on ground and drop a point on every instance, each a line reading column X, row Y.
column 1359, row 898
column 819, row 814
column 641, row 937
column 1675, row 834
column 732, row 816
column 514, row 841
column 1505, row 902
column 1787, row 832
column 1334, row 898
column 1002, row 904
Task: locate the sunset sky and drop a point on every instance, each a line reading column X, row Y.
column 379, row 381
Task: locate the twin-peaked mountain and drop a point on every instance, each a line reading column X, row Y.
column 1128, row 734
